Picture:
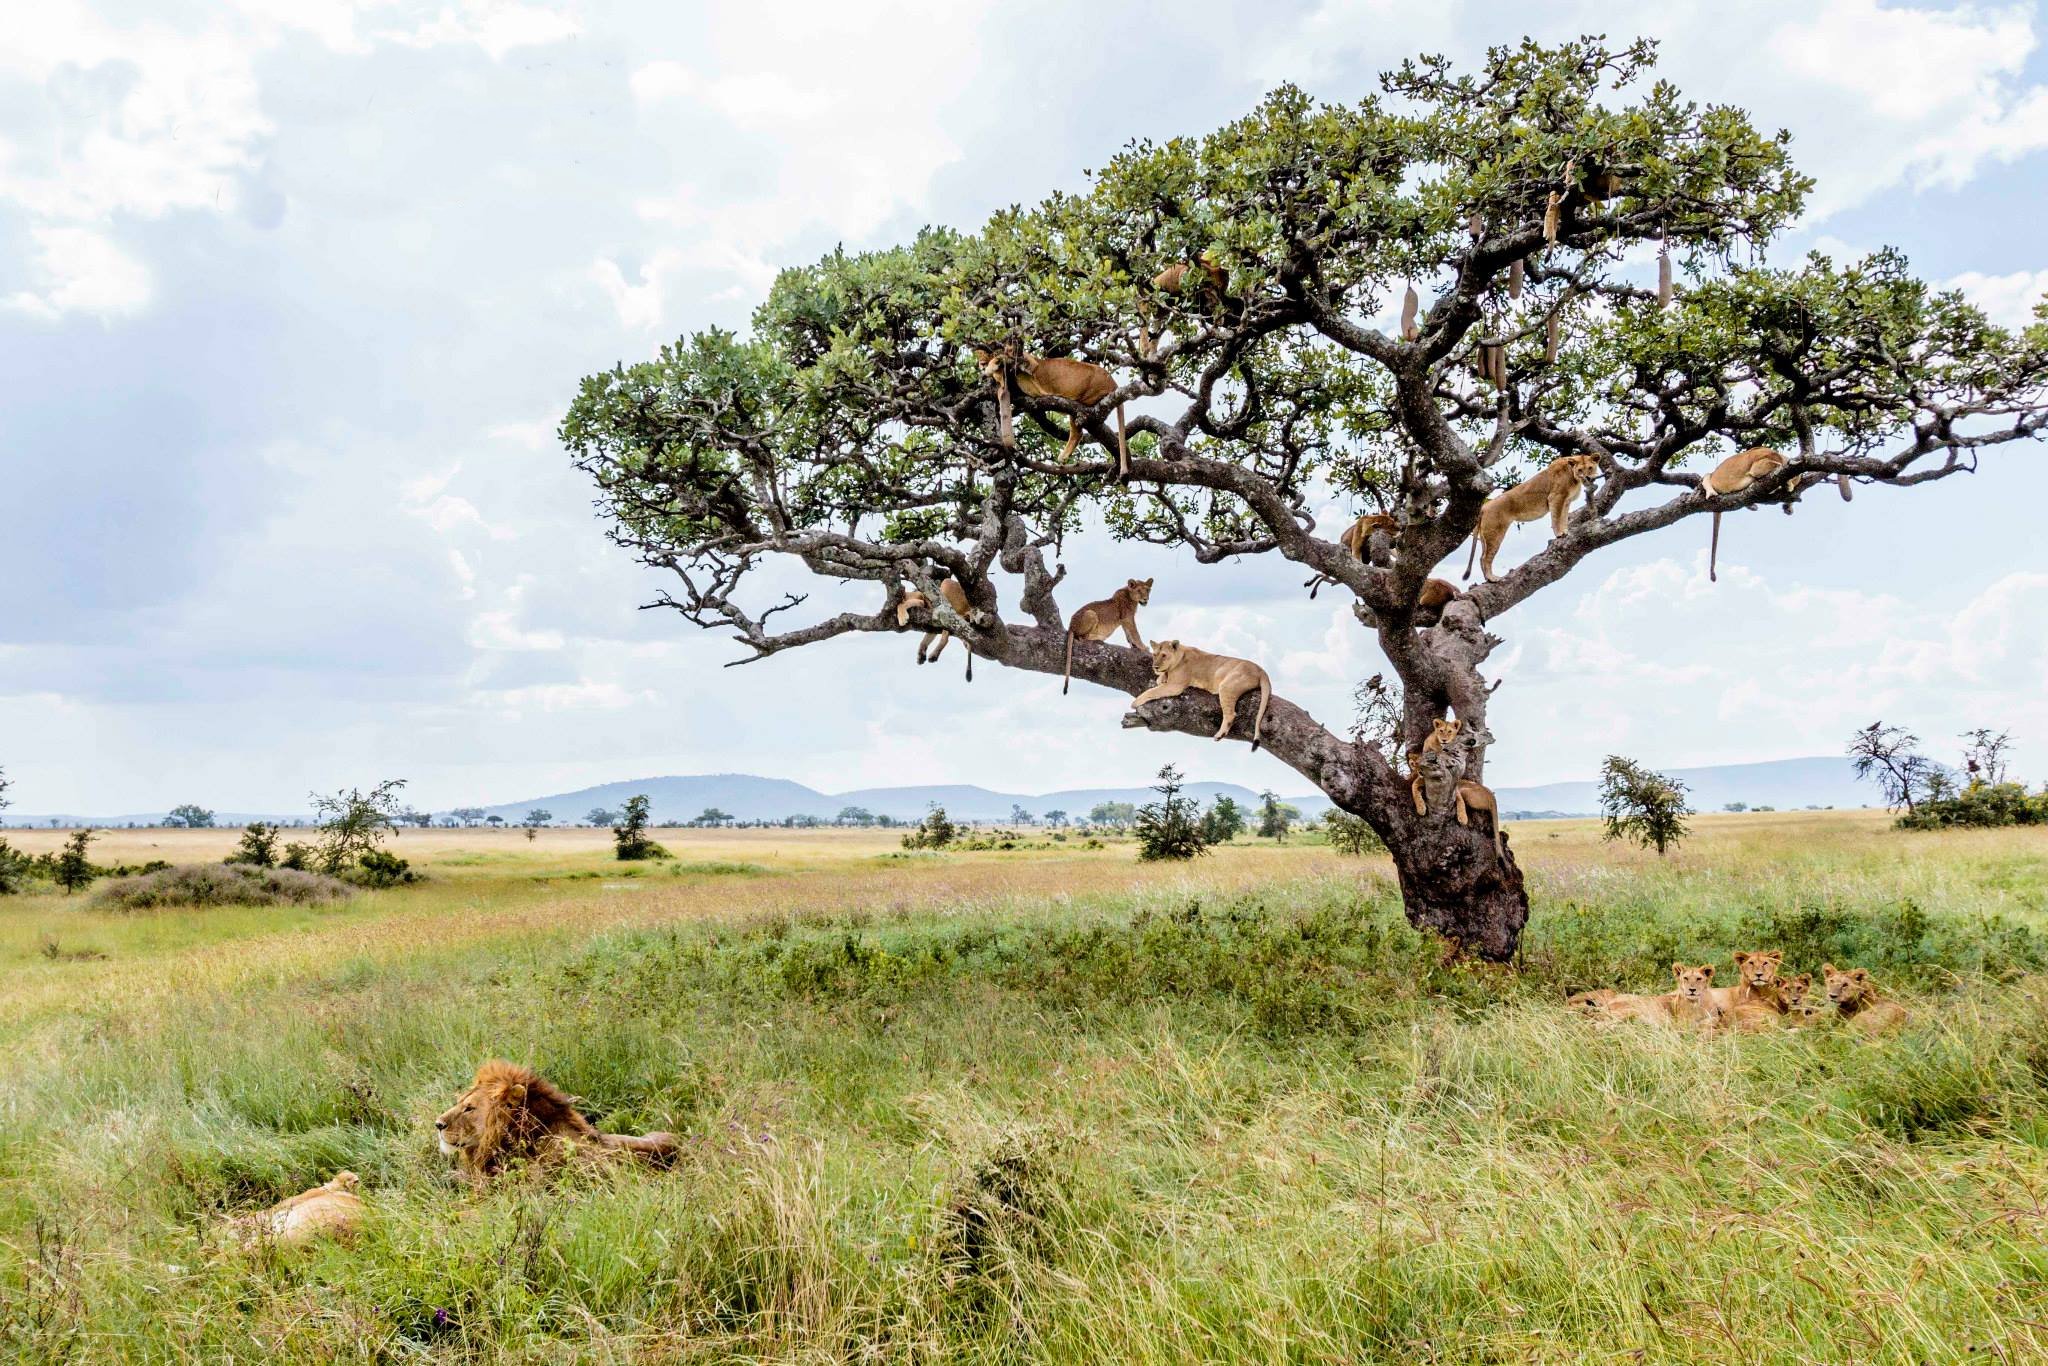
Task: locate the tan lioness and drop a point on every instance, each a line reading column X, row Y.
column 1180, row 667
column 1101, row 620
column 1551, row 491
column 1855, row 999
column 1693, row 1002
column 330, row 1210
column 1756, row 983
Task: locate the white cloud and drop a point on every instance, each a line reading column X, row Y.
column 2009, row 300
column 80, row 270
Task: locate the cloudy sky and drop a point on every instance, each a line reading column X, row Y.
column 293, row 292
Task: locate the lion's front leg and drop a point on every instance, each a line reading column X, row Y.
column 1156, row 692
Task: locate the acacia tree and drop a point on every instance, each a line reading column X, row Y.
column 853, row 435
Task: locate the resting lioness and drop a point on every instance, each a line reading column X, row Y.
column 1180, row 667
column 334, row 1208
column 1855, row 999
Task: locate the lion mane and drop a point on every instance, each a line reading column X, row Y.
column 512, row 1113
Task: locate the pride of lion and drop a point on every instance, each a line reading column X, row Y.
column 1759, row 1000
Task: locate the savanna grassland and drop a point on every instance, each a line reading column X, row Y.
column 1047, row 1104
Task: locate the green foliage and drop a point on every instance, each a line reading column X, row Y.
column 535, row 819
column 353, row 824
column 381, row 868
column 73, row 868
column 297, row 856
column 598, row 815
column 1223, row 821
column 1642, row 805
column 1116, row 815
column 935, row 833
column 1353, row 835
column 1275, row 816
column 206, row 885
column 1983, row 805
column 629, row 836
column 1171, row 827
column 258, row 846
column 190, row 816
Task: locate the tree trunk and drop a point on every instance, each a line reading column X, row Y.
column 1452, row 883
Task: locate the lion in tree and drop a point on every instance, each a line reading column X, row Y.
column 853, row 434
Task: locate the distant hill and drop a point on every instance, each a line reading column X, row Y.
column 1783, row 783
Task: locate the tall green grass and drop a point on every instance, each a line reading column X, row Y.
column 1162, row 1127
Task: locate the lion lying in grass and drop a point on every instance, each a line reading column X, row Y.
column 332, row 1209
column 512, row 1113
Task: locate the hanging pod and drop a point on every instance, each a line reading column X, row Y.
column 1409, row 306
column 1515, row 280
column 1664, row 273
column 1553, row 335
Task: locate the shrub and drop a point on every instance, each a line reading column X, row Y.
column 258, row 848
column 630, row 834
column 936, row 833
column 73, row 869
column 1169, row 827
column 1349, row 834
column 14, row 868
column 353, row 823
column 220, row 884
column 380, row 868
column 1981, row 805
column 297, row 856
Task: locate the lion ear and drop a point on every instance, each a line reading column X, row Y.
column 516, row 1092
column 1708, row 968
column 1741, row 958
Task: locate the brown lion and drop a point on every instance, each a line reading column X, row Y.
column 512, row 1113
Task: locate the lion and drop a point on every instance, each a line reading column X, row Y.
column 1756, row 983
column 1856, row 1001
column 512, row 1113
column 1179, row 667
column 333, row 1209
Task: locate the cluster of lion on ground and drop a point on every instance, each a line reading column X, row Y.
column 512, row 1116
column 1759, row 1000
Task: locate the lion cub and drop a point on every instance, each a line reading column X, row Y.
column 1693, row 1002
column 1443, row 733
column 1101, row 620
column 334, row 1208
column 1856, row 1000
column 1180, row 667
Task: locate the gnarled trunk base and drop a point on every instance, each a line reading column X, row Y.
column 1452, row 883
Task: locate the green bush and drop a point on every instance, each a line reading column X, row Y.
column 220, row 884
column 1984, row 805
column 381, row 868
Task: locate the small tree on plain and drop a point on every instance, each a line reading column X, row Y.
column 1117, row 815
column 599, row 815
column 854, row 815
column 468, row 815
column 190, row 816
column 258, row 847
column 1353, row 835
column 937, row 832
column 13, row 866
column 1642, row 805
column 1275, row 816
column 1984, row 755
column 74, row 869
column 1890, row 756
column 1223, row 821
column 352, row 823
column 535, row 819
column 712, row 815
column 630, row 834
column 495, row 822
column 1171, row 827
column 1056, row 817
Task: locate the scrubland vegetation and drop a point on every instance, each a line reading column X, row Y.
column 1049, row 1104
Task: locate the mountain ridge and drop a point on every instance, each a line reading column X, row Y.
column 1785, row 783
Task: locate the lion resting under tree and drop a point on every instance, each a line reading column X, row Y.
column 512, row 1113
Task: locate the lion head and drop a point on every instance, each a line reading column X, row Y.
column 1141, row 590
column 1693, row 981
column 509, row 1112
column 1166, row 657
column 1759, row 970
column 1846, row 986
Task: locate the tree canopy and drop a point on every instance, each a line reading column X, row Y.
column 851, row 432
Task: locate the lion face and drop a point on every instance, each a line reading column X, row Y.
column 1584, row 468
column 1793, row 990
column 1845, row 988
column 1141, row 591
column 1445, row 732
column 1693, row 982
column 1758, row 969
column 1166, row 656
column 477, row 1116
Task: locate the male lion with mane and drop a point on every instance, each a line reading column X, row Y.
column 512, row 1113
